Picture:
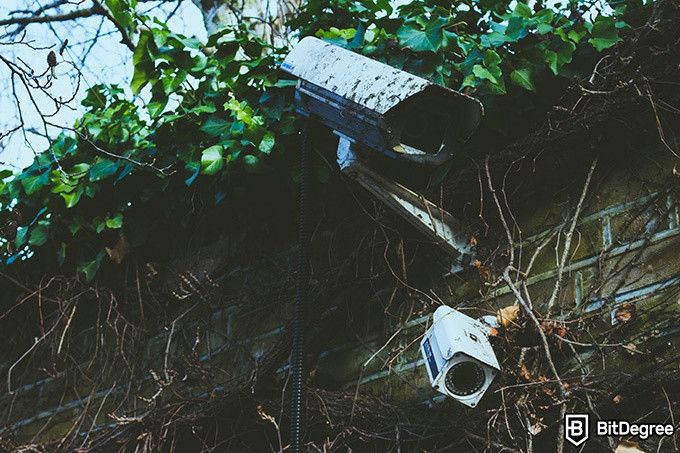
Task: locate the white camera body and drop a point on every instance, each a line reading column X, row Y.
column 380, row 107
column 459, row 358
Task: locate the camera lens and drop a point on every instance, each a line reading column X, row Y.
column 464, row 378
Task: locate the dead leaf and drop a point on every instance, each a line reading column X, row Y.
column 473, row 241
column 550, row 327
column 547, row 389
column 675, row 171
column 625, row 313
column 118, row 251
column 493, row 332
column 617, row 399
column 631, row 348
column 508, row 315
column 536, row 428
column 485, row 273
column 628, row 446
column 525, row 373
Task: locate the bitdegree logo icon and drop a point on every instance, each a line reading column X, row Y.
column 576, row 428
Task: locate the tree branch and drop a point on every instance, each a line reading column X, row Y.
column 37, row 19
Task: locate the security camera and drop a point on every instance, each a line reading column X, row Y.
column 374, row 107
column 379, row 106
column 458, row 356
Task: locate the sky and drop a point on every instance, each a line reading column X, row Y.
column 106, row 61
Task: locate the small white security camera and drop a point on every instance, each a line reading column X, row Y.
column 458, row 356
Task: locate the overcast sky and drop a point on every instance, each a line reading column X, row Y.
column 106, row 61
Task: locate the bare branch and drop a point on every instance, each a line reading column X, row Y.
column 39, row 19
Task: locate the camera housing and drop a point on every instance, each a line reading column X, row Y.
column 379, row 106
column 459, row 358
column 374, row 107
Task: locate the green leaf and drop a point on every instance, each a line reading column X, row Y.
column 211, row 160
column 517, row 28
column 155, row 108
column 604, row 33
column 267, row 143
column 114, row 222
column 491, row 58
column 561, row 54
column 144, row 66
column 39, row 234
column 283, row 83
column 99, row 224
column 61, row 254
column 20, row 239
column 523, row 77
column 523, row 10
column 216, row 126
column 482, row 73
column 103, row 168
column 74, row 227
column 429, row 39
column 250, row 160
column 89, row 268
column 34, row 183
column 72, row 198
column 195, row 169
column 493, row 39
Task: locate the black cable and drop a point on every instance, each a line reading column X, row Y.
column 298, row 352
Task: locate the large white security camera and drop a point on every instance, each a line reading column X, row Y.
column 378, row 106
column 372, row 107
column 458, row 356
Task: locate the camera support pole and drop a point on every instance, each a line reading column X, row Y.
column 440, row 226
column 298, row 349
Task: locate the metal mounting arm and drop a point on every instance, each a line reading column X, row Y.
column 432, row 220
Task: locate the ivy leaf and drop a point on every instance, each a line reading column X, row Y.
column 20, row 239
column 89, row 268
column 211, row 160
column 143, row 63
column 251, row 160
column 34, row 183
column 429, row 39
column 267, row 143
column 120, row 11
column 516, row 28
column 482, row 73
column 99, row 224
column 80, row 170
column 491, row 58
column 493, row 39
column 216, row 126
column 195, row 169
column 561, row 55
column 284, row 83
column 103, row 168
column 38, row 235
column 523, row 10
column 72, row 198
column 604, row 33
column 523, row 77
column 61, row 254
column 114, row 222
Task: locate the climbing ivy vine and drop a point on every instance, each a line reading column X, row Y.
column 221, row 108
